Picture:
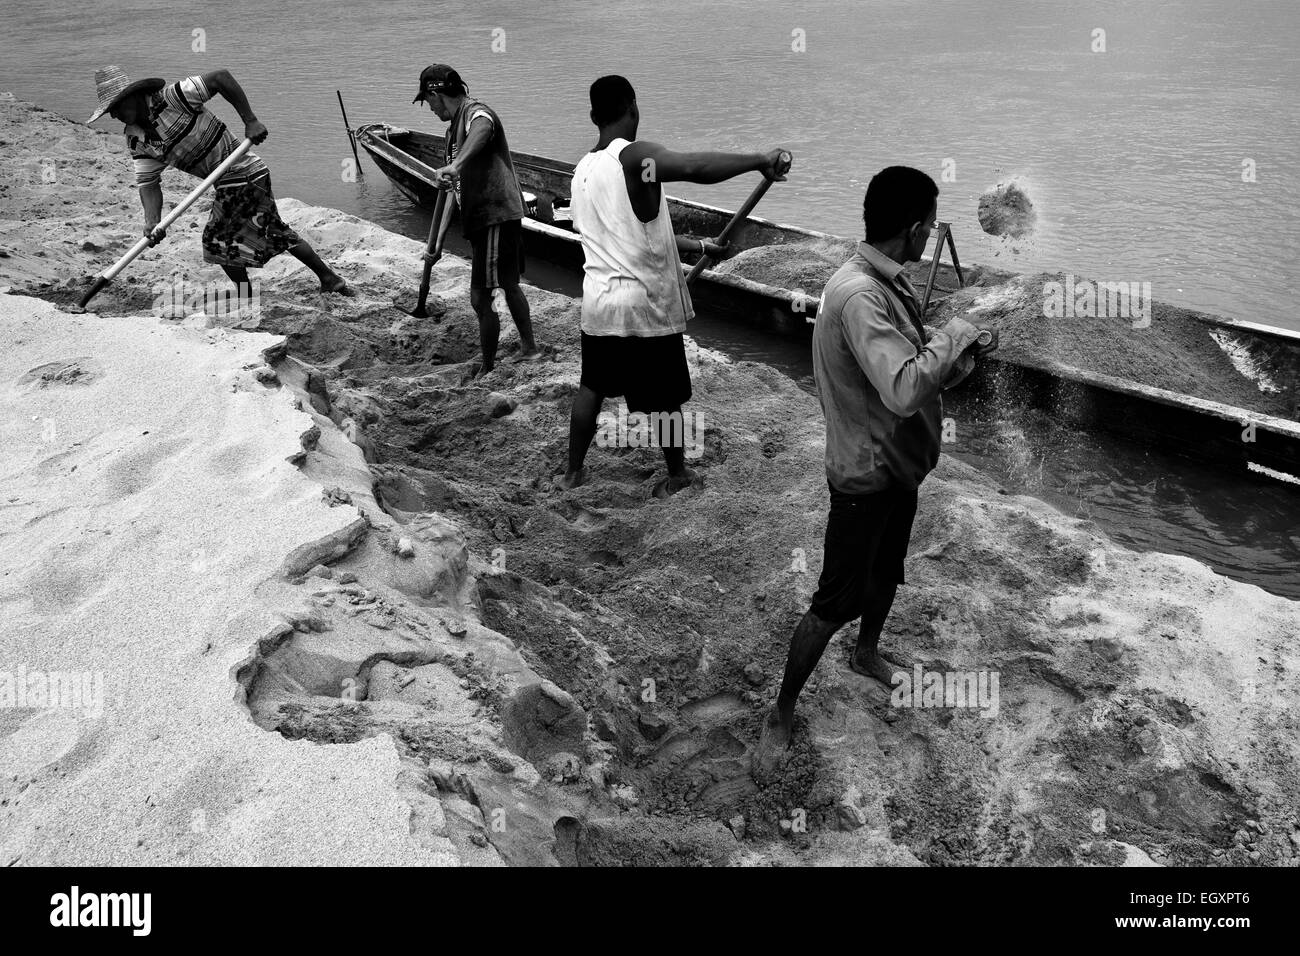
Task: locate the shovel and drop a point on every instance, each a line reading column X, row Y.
column 105, row 277
column 433, row 251
column 741, row 214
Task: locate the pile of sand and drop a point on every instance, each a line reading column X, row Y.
column 1176, row 351
column 803, row 266
column 593, row 664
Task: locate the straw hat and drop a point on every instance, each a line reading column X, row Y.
column 112, row 84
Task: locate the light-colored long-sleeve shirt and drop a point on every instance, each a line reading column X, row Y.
column 879, row 375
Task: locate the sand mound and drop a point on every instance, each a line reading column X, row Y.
column 1176, row 352
column 798, row 266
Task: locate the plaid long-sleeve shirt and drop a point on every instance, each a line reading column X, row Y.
column 190, row 138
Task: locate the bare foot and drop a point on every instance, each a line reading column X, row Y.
column 570, row 479
column 675, row 483
column 773, row 742
column 336, row 285
column 874, row 665
column 532, row 355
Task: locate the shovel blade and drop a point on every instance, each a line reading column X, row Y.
column 93, row 291
column 422, row 297
column 417, row 308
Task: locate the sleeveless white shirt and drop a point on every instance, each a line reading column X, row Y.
column 633, row 283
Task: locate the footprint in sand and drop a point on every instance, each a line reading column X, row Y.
column 720, row 707
column 81, row 370
column 704, row 758
column 607, row 559
column 580, row 516
column 139, row 465
column 44, row 738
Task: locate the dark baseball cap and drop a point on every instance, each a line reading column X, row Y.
column 437, row 79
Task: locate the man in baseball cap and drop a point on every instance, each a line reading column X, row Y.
column 437, row 79
column 479, row 170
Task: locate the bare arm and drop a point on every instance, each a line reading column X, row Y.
column 655, row 163
column 705, row 247
column 689, row 244
column 646, row 166
column 480, row 131
column 222, row 82
column 151, row 198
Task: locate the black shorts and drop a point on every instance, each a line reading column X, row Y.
column 866, row 544
column 650, row 370
column 498, row 259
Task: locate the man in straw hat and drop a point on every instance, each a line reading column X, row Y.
column 482, row 176
column 168, row 125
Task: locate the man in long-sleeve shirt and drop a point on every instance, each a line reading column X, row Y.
column 879, row 375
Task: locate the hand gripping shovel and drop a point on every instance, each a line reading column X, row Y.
column 432, row 251
column 107, row 276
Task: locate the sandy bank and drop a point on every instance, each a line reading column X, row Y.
column 490, row 671
column 147, row 504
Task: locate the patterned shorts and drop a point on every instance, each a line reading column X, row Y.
column 245, row 229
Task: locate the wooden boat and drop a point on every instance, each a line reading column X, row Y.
column 408, row 158
column 1203, row 429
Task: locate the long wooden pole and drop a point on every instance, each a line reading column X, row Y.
column 741, row 215
column 107, row 276
column 352, row 140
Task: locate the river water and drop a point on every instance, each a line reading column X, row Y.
column 1133, row 155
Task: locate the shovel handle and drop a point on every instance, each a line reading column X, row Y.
column 741, row 215
column 433, row 248
column 107, row 276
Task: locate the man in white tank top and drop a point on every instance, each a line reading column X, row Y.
column 635, row 303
